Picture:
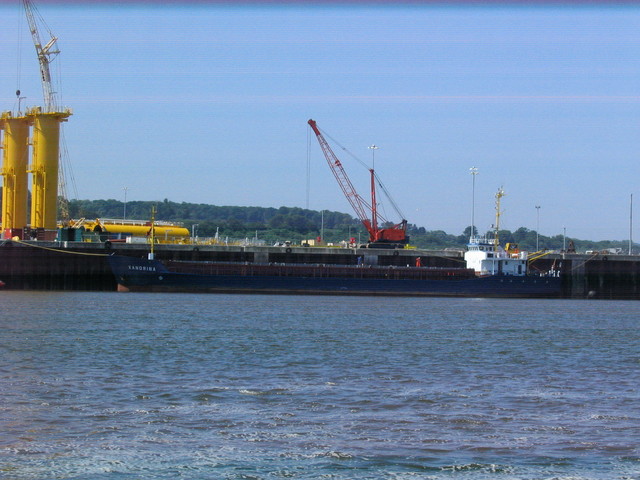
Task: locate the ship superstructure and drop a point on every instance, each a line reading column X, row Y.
column 485, row 258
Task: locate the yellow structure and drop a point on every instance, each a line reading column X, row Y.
column 15, row 153
column 45, row 165
column 164, row 231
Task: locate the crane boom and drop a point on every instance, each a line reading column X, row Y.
column 45, row 54
column 360, row 206
column 394, row 235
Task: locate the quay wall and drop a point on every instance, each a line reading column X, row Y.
column 597, row 276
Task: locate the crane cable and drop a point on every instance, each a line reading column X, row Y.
column 19, row 56
column 388, row 195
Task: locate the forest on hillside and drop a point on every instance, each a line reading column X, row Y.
column 297, row 224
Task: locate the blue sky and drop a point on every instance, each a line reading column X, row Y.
column 209, row 103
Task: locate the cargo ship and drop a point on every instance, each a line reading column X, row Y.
column 488, row 273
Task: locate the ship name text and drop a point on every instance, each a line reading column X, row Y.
column 143, row 268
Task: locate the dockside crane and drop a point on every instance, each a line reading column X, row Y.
column 46, row 53
column 45, row 166
column 393, row 237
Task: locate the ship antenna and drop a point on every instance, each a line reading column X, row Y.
column 153, row 232
column 496, row 240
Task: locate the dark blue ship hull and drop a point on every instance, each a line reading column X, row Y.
column 142, row 275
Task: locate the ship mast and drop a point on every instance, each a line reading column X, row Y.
column 152, row 255
column 496, row 240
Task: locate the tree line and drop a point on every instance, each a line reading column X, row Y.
column 297, row 224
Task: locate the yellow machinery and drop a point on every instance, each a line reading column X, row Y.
column 164, row 231
column 512, row 248
column 14, row 170
column 44, row 166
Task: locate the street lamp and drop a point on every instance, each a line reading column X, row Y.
column 537, row 228
column 373, row 149
column 473, row 171
column 631, row 224
column 124, row 213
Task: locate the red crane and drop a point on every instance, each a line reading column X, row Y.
column 367, row 213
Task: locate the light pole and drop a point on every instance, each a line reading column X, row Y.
column 537, row 228
column 631, row 224
column 373, row 149
column 473, row 171
column 564, row 239
column 124, row 213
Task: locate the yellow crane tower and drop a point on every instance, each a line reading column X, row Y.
column 46, row 133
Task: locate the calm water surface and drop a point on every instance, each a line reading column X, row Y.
column 153, row 386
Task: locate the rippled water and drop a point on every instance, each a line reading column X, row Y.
column 153, row 386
